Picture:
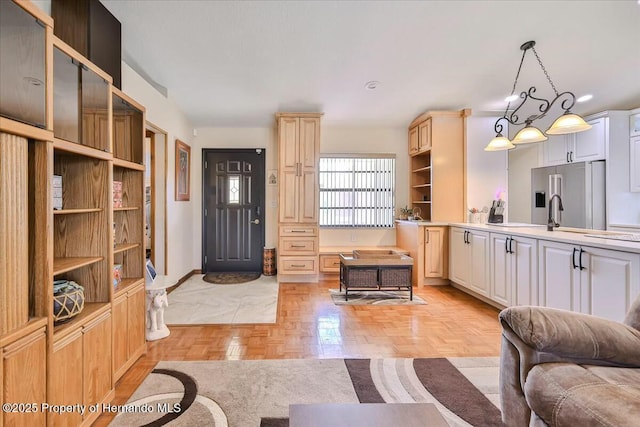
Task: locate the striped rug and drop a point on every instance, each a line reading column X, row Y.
column 258, row 393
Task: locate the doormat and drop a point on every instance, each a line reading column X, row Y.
column 230, row 278
column 375, row 298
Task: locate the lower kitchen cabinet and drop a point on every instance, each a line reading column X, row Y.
column 435, row 252
column 591, row 280
column 514, row 275
column 469, row 259
column 23, row 377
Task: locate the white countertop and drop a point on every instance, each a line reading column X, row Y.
column 558, row 235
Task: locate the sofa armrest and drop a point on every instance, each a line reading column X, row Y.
column 574, row 336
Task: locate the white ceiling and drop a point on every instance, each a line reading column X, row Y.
column 235, row 63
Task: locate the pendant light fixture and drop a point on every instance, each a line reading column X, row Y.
column 566, row 123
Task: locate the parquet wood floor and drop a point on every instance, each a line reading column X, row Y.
column 309, row 325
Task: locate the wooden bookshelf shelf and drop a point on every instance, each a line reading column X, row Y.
column 126, row 284
column 422, row 202
column 127, row 164
column 128, row 208
column 424, row 169
column 83, row 150
column 63, row 265
column 123, row 247
column 75, row 211
column 421, row 186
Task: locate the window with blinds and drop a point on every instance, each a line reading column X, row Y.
column 357, row 190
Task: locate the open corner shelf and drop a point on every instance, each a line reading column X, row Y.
column 127, row 208
column 123, row 247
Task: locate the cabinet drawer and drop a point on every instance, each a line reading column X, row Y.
column 298, row 230
column 330, row 263
column 298, row 245
column 298, row 265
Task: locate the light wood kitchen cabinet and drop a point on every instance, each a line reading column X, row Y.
column 299, row 145
column 584, row 146
column 469, row 259
column 96, row 361
column 413, row 140
column 299, row 155
column 514, row 275
column 429, row 248
column 590, row 280
column 437, row 141
column 23, row 373
column 435, row 252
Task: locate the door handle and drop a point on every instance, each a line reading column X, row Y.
column 427, row 235
column 506, row 247
column 581, row 252
column 568, row 157
column 573, row 258
column 510, row 243
column 255, row 221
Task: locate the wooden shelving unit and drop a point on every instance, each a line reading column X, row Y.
column 69, row 132
column 438, row 138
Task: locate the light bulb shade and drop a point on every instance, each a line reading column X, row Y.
column 528, row 135
column 499, row 143
column 568, row 123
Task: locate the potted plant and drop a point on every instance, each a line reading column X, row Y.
column 405, row 212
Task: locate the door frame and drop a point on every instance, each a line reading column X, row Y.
column 263, row 156
column 154, row 146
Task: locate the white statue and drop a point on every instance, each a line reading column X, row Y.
column 156, row 303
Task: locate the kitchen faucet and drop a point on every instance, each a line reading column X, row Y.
column 551, row 223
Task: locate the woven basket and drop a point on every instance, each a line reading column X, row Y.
column 68, row 303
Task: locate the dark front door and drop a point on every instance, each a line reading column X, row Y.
column 233, row 203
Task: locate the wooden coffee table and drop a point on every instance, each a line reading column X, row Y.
column 365, row 414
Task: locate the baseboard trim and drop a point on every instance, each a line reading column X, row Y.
column 478, row 296
column 182, row 280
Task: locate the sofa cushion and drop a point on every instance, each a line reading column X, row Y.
column 565, row 394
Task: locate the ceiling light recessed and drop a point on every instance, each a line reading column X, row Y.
column 584, row 98
column 372, row 85
column 511, row 98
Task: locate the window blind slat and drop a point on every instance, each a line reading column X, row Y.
column 357, row 190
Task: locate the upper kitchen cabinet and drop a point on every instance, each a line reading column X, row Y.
column 81, row 99
column 578, row 147
column 437, row 177
column 22, row 65
column 89, row 28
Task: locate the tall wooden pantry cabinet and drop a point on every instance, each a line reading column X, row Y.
column 59, row 220
column 298, row 157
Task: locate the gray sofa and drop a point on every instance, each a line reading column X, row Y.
column 561, row 368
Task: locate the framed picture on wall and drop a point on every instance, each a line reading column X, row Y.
column 183, row 171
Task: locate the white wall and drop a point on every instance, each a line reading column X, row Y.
column 486, row 171
column 368, row 140
column 164, row 113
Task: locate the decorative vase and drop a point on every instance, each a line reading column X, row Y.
column 68, row 300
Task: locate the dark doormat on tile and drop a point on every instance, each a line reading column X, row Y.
column 226, row 278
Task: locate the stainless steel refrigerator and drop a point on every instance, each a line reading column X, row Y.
column 582, row 189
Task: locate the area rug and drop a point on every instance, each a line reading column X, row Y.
column 230, row 278
column 375, row 298
column 258, row 392
column 196, row 302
